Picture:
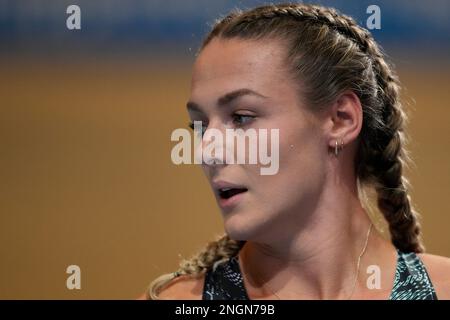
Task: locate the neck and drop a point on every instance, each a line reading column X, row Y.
column 314, row 260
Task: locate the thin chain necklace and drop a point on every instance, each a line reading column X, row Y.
column 358, row 265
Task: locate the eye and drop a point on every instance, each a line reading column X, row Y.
column 242, row 119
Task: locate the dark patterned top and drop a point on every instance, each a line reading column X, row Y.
column 411, row 280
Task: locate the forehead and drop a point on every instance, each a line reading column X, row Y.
column 228, row 64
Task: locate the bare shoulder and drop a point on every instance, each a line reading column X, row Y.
column 142, row 297
column 184, row 287
column 438, row 268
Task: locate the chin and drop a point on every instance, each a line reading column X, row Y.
column 241, row 227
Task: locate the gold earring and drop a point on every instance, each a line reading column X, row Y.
column 337, row 148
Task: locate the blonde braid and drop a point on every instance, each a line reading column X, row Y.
column 388, row 155
column 214, row 253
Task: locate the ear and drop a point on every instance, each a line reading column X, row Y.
column 346, row 119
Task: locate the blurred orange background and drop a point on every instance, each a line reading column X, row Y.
column 87, row 177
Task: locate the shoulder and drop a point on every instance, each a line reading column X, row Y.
column 438, row 268
column 184, row 287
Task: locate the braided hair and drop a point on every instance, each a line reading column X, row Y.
column 330, row 53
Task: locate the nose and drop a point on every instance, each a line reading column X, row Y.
column 212, row 147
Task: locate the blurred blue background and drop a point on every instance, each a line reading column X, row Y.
column 153, row 25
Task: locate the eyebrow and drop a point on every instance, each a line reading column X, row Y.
column 227, row 98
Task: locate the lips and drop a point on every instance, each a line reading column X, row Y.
column 228, row 193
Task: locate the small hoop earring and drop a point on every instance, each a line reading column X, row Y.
column 338, row 148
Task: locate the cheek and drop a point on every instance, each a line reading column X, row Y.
column 304, row 158
column 302, row 166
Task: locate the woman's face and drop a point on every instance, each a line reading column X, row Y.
column 274, row 203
